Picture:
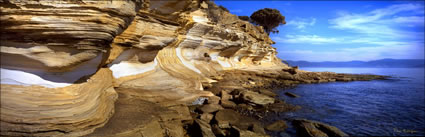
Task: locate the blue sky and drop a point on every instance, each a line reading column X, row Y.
column 344, row 30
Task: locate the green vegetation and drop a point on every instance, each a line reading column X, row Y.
column 269, row 19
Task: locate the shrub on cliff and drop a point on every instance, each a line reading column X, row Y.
column 269, row 19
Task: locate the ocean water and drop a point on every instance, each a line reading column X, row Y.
column 394, row 107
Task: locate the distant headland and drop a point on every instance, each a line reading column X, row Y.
column 382, row 63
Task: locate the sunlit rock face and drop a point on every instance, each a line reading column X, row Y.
column 59, row 41
column 63, row 62
column 51, row 52
column 73, row 110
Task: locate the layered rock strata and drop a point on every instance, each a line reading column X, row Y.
column 137, row 68
column 63, row 63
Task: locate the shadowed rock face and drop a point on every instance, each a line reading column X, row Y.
column 63, row 62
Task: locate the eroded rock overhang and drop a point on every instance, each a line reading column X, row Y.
column 63, row 62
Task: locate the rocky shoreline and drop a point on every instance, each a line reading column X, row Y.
column 255, row 99
column 243, row 99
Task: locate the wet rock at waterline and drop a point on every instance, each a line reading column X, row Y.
column 279, row 125
column 291, row 94
column 309, row 128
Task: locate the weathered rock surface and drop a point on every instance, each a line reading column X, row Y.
column 247, row 133
column 210, row 108
column 257, row 98
column 157, row 51
column 205, row 128
column 207, row 117
column 279, row 125
column 228, row 104
column 226, row 117
column 63, row 63
column 309, row 128
column 71, row 110
column 267, row 92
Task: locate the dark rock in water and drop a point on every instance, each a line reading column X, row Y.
column 228, row 104
column 210, row 108
column 256, row 98
column 291, row 94
column 267, row 92
column 205, row 128
column 226, row 117
column 279, row 125
column 309, row 128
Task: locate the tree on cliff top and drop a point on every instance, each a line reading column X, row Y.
column 269, row 19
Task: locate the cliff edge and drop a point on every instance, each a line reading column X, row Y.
column 64, row 64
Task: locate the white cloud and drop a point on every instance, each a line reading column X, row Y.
column 380, row 22
column 311, row 39
column 410, row 20
column 301, row 23
column 315, row 39
column 379, row 33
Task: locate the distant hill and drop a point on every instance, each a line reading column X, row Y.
column 383, row 63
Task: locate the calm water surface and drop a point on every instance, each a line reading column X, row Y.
column 394, row 107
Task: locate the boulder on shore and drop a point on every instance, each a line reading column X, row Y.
column 228, row 104
column 226, row 117
column 256, row 98
column 279, row 125
column 309, row 128
column 205, row 128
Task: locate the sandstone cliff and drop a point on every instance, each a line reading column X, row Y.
column 63, row 63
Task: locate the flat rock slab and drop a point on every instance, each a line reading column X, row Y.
column 137, row 117
column 309, row 128
column 257, row 98
column 210, row 108
column 267, row 92
column 279, row 125
column 132, row 118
